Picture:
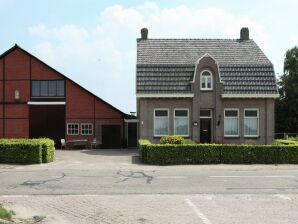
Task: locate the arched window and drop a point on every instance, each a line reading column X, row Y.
column 206, row 80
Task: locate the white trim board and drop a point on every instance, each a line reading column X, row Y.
column 250, row 96
column 153, row 95
column 45, row 103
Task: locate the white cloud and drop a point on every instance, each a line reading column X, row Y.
column 103, row 58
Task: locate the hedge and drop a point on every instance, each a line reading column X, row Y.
column 172, row 154
column 27, row 151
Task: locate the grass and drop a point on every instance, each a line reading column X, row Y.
column 4, row 214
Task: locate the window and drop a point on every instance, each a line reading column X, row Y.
column 206, row 80
column 205, row 113
column 86, row 129
column 47, row 88
column 231, row 123
column 72, row 129
column 251, row 123
column 161, row 122
column 181, row 122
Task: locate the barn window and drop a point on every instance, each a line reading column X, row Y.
column 47, row 88
column 72, row 129
column 86, row 129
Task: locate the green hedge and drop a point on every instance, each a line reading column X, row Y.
column 27, row 151
column 285, row 142
column 170, row 154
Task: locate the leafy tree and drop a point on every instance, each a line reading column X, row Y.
column 287, row 104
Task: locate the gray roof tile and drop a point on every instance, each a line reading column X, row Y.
column 168, row 65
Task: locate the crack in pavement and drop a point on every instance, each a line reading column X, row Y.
column 134, row 175
column 31, row 183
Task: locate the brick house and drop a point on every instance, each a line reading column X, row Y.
column 208, row 90
column 37, row 101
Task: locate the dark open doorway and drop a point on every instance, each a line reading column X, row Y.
column 132, row 134
column 111, row 136
column 47, row 121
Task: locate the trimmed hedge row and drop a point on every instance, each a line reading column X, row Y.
column 171, row 154
column 27, row 151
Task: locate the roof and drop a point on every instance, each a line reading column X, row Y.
column 168, row 65
column 127, row 116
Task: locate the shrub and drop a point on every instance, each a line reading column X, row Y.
column 170, row 154
column 291, row 141
column 172, row 139
column 142, row 146
column 20, row 152
column 15, row 150
column 166, row 154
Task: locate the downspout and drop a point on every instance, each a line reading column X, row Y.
column 266, row 132
column 3, row 108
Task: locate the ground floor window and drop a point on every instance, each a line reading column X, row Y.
column 161, row 122
column 251, row 123
column 181, row 122
column 72, row 129
column 231, row 123
column 86, row 129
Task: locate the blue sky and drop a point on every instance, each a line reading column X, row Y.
column 94, row 41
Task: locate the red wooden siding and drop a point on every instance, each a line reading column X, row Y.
column 39, row 71
column 17, row 65
column 17, row 128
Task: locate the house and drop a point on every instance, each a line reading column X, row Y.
column 38, row 101
column 207, row 90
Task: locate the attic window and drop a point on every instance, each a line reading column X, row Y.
column 206, row 80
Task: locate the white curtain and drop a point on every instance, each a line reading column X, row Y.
column 251, row 126
column 231, row 126
column 181, row 125
column 161, row 126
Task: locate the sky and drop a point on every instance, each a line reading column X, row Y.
column 93, row 42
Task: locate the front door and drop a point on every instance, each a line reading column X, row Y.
column 205, row 126
column 205, row 130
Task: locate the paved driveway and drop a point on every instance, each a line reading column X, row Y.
column 111, row 186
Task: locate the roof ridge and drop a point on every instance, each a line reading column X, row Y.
column 182, row 38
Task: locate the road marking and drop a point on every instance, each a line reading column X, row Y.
column 204, row 219
column 252, row 176
column 283, row 197
column 171, row 177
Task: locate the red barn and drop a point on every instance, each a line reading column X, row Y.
column 38, row 101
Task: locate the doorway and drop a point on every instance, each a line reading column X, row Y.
column 205, row 126
column 111, row 136
column 47, row 121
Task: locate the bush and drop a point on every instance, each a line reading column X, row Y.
column 20, row 152
column 24, row 150
column 182, row 154
column 170, row 154
column 291, row 141
column 142, row 146
column 172, row 139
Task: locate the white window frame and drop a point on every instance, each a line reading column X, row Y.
column 181, row 109
column 258, row 123
column 86, row 124
column 206, row 116
column 73, row 124
column 236, row 109
column 155, row 109
column 201, row 79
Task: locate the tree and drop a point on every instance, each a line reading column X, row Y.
column 287, row 105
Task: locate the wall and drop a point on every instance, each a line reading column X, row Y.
column 146, row 115
column 15, row 75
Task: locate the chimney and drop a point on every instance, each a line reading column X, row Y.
column 244, row 33
column 144, row 33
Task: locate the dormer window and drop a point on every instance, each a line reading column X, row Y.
column 206, row 80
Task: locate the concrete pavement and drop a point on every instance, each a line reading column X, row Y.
column 101, row 186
